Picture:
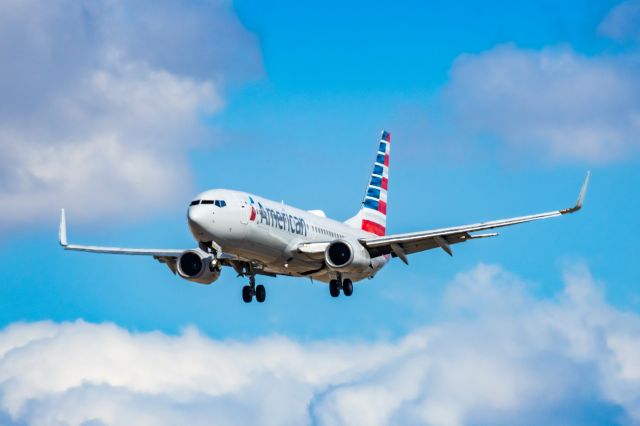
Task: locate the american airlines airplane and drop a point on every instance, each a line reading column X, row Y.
column 256, row 236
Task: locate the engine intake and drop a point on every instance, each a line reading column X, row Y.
column 190, row 264
column 198, row 266
column 342, row 255
column 339, row 254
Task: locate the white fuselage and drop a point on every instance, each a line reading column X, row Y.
column 260, row 230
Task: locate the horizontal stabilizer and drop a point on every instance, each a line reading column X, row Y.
column 475, row 237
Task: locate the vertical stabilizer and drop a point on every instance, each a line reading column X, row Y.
column 372, row 216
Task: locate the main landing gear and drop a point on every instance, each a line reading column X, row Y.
column 248, row 291
column 336, row 285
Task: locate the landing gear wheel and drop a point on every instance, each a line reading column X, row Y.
column 247, row 294
column 261, row 293
column 334, row 288
column 347, row 287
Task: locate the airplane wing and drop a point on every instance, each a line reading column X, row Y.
column 166, row 256
column 157, row 253
column 400, row 245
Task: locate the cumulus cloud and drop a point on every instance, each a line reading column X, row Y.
column 102, row 100
column 622, row 23
column 498, row 355
column 552, row 104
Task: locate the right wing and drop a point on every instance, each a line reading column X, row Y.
column 400, row 245
column 166, row 256
column 157, row 253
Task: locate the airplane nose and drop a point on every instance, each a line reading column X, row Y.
column 197, row 217
column 192, row 215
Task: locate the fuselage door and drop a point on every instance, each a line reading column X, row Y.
column 245, row 211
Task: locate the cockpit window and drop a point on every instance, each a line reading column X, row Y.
column 218, row 203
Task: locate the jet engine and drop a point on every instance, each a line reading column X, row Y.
column 198, row 266
column 343, row 256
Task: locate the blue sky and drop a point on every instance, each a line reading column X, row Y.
column 495, row 110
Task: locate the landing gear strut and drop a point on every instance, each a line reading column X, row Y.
column 248, row 291
column 335, row 285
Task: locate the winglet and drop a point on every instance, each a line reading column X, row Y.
column 583, row 193
column 62, row 236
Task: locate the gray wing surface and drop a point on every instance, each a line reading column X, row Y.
column 166, row 256
column 400, row 245
column 158, row 253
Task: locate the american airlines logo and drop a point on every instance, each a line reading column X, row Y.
column 277, row 219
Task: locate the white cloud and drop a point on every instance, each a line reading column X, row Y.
column 498, row 355
column 622, row 22
column 552, row 104
column 102, row 101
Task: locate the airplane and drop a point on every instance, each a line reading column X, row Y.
column 257, row 236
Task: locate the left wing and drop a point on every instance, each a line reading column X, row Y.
column 400, row 245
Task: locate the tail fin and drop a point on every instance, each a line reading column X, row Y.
column 372, row 216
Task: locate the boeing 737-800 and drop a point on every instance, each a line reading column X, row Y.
column 256, row 236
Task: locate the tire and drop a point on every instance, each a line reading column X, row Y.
column 261, row 293
column 334, row 289
column 347, row 287
column 246, row 294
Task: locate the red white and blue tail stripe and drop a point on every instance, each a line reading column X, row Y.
column 372, row 216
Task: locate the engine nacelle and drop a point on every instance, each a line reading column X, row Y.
column 198, row 266
column 345, row 256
